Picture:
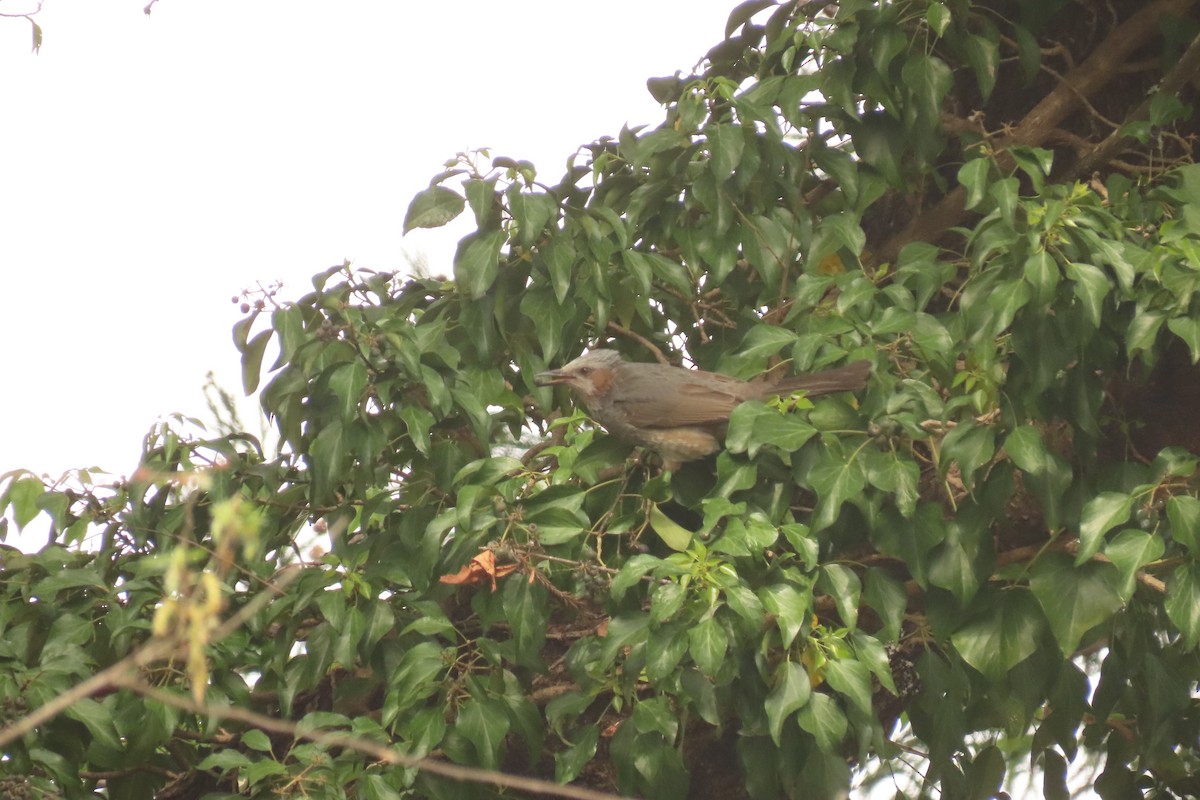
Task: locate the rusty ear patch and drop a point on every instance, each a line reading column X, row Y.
column 602, row 381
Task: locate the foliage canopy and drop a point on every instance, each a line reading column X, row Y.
column 988, row 560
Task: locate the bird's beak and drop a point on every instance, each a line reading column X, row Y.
column 551, row 378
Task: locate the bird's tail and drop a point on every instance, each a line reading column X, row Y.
column 849, row 378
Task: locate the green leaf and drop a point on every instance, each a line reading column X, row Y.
column 792, row 691
column 671, row 273
column 1183, row 603
column 348, row 382
column 371, row 786
column 1101, row 514
column 433, row 208
column 1048, row 474
column 524, row 606
column 98, row 720
column 256, row 740
column 485, row 727
column 973, row 175
column 664, row 650
column 872, row 654
column 1143, row 330
column 674, row 535
column 1091, row 287
column 743, row 13
column 224, row 760
column 852, row 680
column 252, row 357
column 888, row 597
column 761, row 342
column 708, row 643
column 327, row 458
column 559, row 257
column 937, row 16
column 1075, row 599
column 836, row 231
column 895, row 472
column 971, row 446
column 725, row 145
column 824, row 720
column 1054, row 780
column 531, row 212
column 1042, row 274
column 419, row 422
column 842, row 584
column 986, row 773
column 1187, row 329
column 476, row 262
column 632, row 572
column 481, row 194
column 570, row 762
column 753, row 424
column 1183, row 512
column 413, row 679
column 1003, row 634
column 836, row 477
column 700, row 691
column 23, row 495
column 790, row 607
column 666, row 600
column 984, row 56
column 1130, row 550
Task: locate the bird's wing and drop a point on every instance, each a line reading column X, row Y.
column 679, row 398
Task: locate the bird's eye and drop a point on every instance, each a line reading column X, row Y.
column 585, row 371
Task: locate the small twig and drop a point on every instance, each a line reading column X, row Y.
column 1184, row 71
column 152, row 651
column 26, row 15
column 387, row 755
column 621, row 330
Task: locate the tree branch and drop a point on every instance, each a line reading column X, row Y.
column 1091, row 76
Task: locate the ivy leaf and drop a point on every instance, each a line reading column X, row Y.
column 971, row 446
column 790, row 607
column 433, row 208
column 1183, row 512
column 708, row 643
column 484, row 726
column 792, row 691
column 938, row 18
column 852, row 680
column 570, row 762
column 1091, row 287
column 1130, row 550
column 477, row 261
column 1101, row 514
column 842, row 584
column 1075, row 599
column 1003, row 634
column 973, row 175
column 824, row 720
column 1187, row 329
column 674, row 535
column 1183, row 603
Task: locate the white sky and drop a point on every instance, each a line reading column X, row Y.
column 152, row 167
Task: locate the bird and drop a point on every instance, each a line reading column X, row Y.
column 677, row 412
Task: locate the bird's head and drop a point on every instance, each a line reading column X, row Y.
column 590, row 376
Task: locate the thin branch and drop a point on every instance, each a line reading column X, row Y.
column 1092, row 76
column 621, row 330
column 123, row 674
column 387, row 755
column 154, row 650
column 1184, row 72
